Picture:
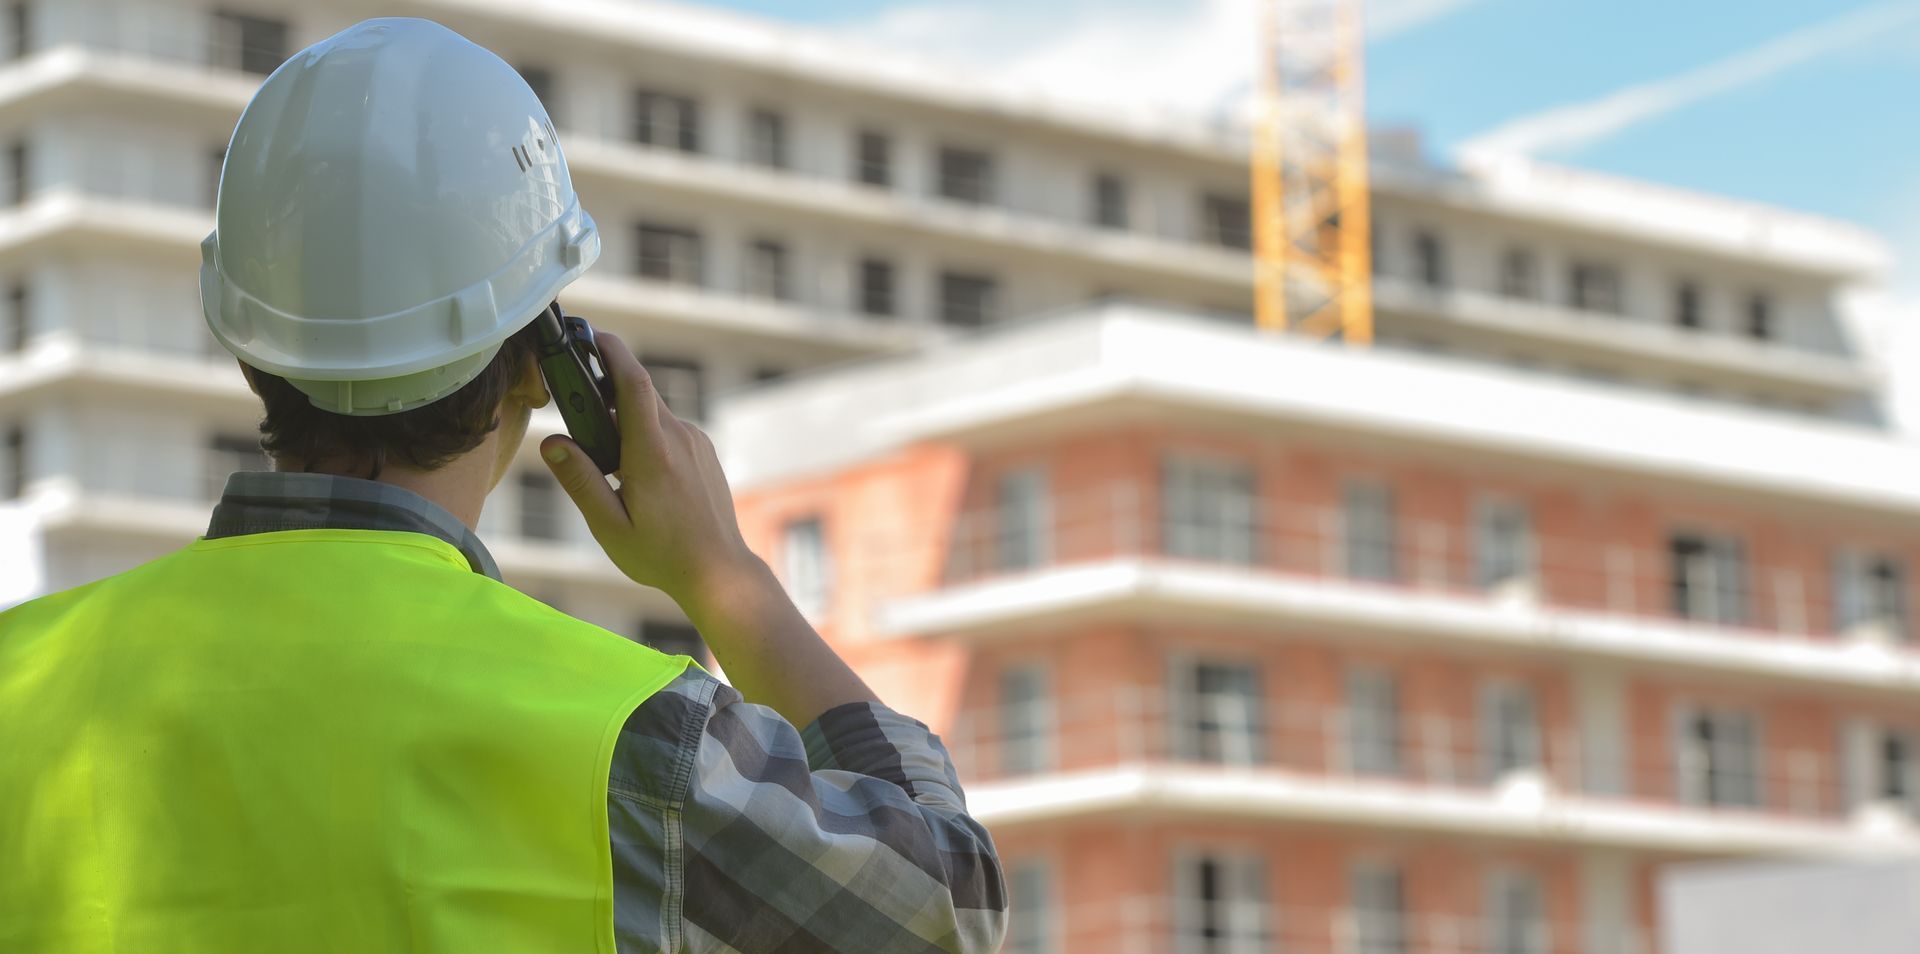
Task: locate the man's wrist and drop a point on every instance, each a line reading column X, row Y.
column 730, row 584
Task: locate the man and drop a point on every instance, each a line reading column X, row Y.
column 327, row 726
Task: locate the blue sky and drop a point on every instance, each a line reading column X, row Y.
column 1810, row 104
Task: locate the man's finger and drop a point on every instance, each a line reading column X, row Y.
column 635, row 400
column 584, row 484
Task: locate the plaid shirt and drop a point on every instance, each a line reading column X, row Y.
column 730, row 830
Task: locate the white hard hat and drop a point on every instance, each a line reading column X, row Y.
column 393, row 206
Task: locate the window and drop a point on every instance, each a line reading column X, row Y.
column 227, row 454
column 1760, row 317
column 1708, row 576
column 1516, row 914
column 1367, row 512
column 1429, row 259
column 1109, row 201
column 1719, row 758
column 1379, row 909
column 873, row 158
column 1503, row 543
column 670, row 254
column 1687, row 311
column 1021, row 524
column 540, row 80
column 1870, row 591
column 1030, row 916
column 1208, row 510
column 252, row 44
column 966, row 175
column 1026, row 721
column 1373, row 722
column 767, row 138
column 675, row 639
column 19, row 173
column 216, row 164
column 1596, row 287
column 1509, row 730
column 1519, row 274
column 1226, row 221
column 19, row 317
column 767, row 270
column 968, row 301
column 876, row 287
column 667, row 120
column 539, row 506
column 1221, row 906
column 805, row 565
column 14, row 443
column 1217, row 705
column 681, row 384
column 19, row 29
column 1894, row 776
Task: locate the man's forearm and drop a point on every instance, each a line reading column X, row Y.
column 771, row 654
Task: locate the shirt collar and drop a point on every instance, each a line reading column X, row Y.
column 271, row 501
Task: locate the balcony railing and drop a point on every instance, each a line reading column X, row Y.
column 1162, row 925
column 1785, row 594
column 1416, row 752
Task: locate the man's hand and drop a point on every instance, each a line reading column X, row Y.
column 671, row 525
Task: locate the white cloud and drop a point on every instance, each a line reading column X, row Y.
column 1571, row 127
column 1194, row 57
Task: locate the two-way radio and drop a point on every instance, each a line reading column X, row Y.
column 576, row 377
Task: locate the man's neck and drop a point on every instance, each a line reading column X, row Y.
column 460, row 487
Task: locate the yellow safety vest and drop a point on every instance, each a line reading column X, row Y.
column 312, row 740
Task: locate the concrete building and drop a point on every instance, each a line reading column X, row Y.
column 1601, row 559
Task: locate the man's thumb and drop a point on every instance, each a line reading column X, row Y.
column 582, row 481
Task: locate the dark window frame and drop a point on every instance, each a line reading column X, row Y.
column 1689, row 305
column 1597, row 287
column 969, row 299
column 1226, row 221
column 658, row 248
column 1430, row 258
column 1110, row 201
column 19, row 317
column 873, row 158
column 768, row 139
column 769, row 269
column 1520, row 274
column 682, row 132
column 965, row 174
column 878, row 288
column 664, row 369
column 1760, row 318
column 250, row 42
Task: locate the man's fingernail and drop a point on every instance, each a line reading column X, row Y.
column 557, row 454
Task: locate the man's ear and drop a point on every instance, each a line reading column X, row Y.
column 530, row 388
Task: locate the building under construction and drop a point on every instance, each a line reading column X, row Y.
column 1599, row 559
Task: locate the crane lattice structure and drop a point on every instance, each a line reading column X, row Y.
column 1312, row 223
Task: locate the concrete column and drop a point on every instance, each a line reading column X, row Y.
column 1608, row 922
column 1600, row 721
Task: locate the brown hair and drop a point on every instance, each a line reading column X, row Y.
column 425, row 437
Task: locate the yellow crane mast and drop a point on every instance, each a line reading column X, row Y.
column 1311, row 217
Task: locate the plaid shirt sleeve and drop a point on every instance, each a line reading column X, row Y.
column 734, row 832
